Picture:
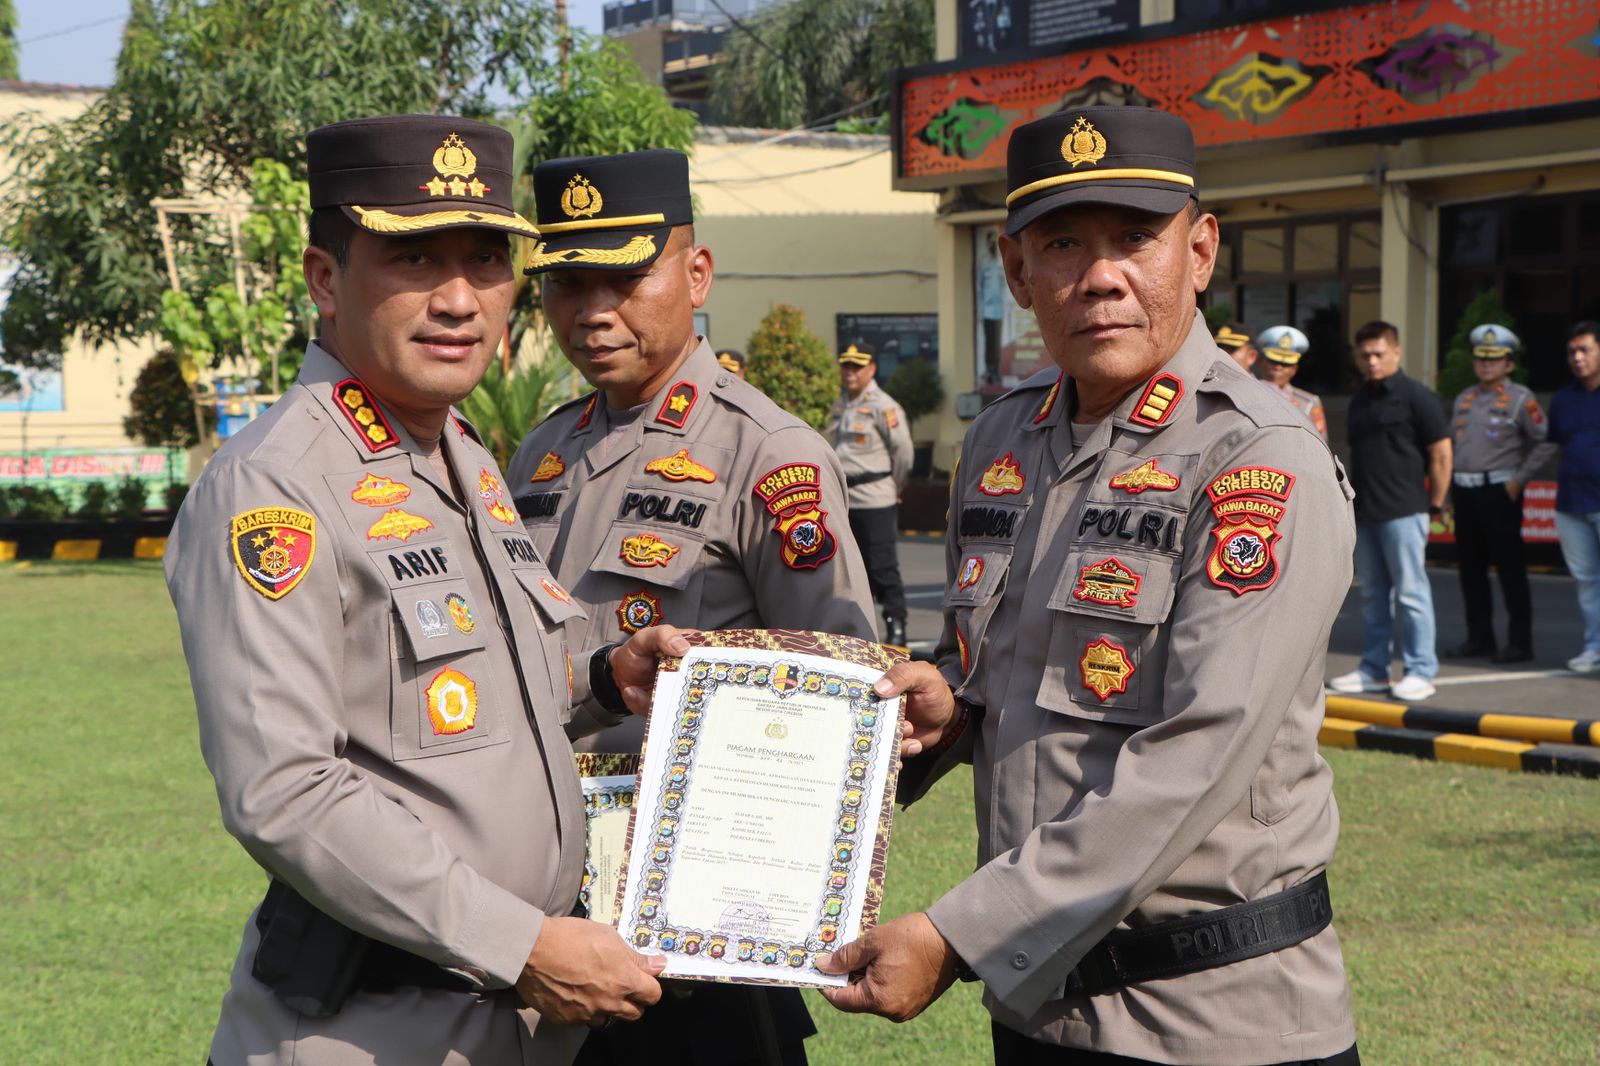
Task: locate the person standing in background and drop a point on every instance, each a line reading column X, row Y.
column 1283, row 347
column 1575, row 426
column 868, row 430
column 732, row 360
column 1498, row 442
column 1234, row 338
column 1400, row 468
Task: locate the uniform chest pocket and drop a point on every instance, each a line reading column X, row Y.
column 979, row 585
column 443, row 697
column 1105, row 657
column 663, row 556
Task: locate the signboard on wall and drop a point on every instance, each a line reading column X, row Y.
column 1538, row 517
column 1364, row 71
column 892, row 338
column 68, row 470
column 989, row 27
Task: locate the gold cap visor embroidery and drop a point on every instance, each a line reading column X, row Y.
column 1115, row 174
column 637, row 250
column 380, row 221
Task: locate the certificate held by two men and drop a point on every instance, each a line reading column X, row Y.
column 753, row 838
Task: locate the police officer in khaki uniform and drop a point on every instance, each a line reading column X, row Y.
column 1282, row 348
column 670, row 494
column 1499, row 440
column 868, row 429
column 1234, row 338
column 1127, row 535
column 377, row 658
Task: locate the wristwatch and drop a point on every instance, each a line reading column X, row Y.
column 603, row 683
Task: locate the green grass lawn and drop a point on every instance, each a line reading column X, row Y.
column 1468, row 899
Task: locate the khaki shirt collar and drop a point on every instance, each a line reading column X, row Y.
column 675, row 409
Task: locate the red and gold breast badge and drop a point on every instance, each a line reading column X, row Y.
column 376, row 491
column 553, row 587
column 680, row 467
column 1106, row 668
column 792, row 494
column 638, row 610
column 1248, row 502
column 452, row 702
column 550, row 468
column 647, row 549
column 398, row 525
column 1146, row 475
column 492, row 492
column 1003, row 477
column 273, row 548
column 1108, row 582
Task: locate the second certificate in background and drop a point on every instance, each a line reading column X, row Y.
column 763, row 812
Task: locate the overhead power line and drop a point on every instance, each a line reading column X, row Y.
column 73, row 29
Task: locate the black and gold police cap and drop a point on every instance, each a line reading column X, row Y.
column 1232, row 336
column 856, row 355
column 1134, row 157
column 608, row 212
column 402, row 174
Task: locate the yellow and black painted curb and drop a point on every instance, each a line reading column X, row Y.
column 1541, row 729
column 1459, row 747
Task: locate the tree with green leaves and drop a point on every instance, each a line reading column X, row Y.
column 792, row 366
column 917, row 387
column 1486, row 309
column 203, row 89
column 9, row 69
column 806, row 61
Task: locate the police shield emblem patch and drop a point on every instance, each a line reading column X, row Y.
column 1243, row 559
column 273, row 548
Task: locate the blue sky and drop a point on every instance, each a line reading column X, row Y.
column 76, row 42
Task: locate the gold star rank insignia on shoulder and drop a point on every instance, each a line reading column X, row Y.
column 1147, row 475
column 273, row 548
column 550, row 468
column 676, row 407
column 680, row 467
column 352, row 400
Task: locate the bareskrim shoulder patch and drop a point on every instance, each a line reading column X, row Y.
column 352, row 399
column 273, row 548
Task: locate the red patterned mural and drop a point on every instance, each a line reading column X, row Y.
column 1367, row 67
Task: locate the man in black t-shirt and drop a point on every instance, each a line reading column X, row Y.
column 1400, row 468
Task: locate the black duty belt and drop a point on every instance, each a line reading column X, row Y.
column 386, row 967
column 1205, row 941
column 852, row 480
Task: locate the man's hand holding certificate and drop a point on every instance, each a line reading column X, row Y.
column 761, row 817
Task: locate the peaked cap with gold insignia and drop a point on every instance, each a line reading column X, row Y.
column 608, row 212
column 1283, row 344
column 404, row 174
column 1494, row 342
column 1232, row 336
column 856, row 355
column 1126, row 156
